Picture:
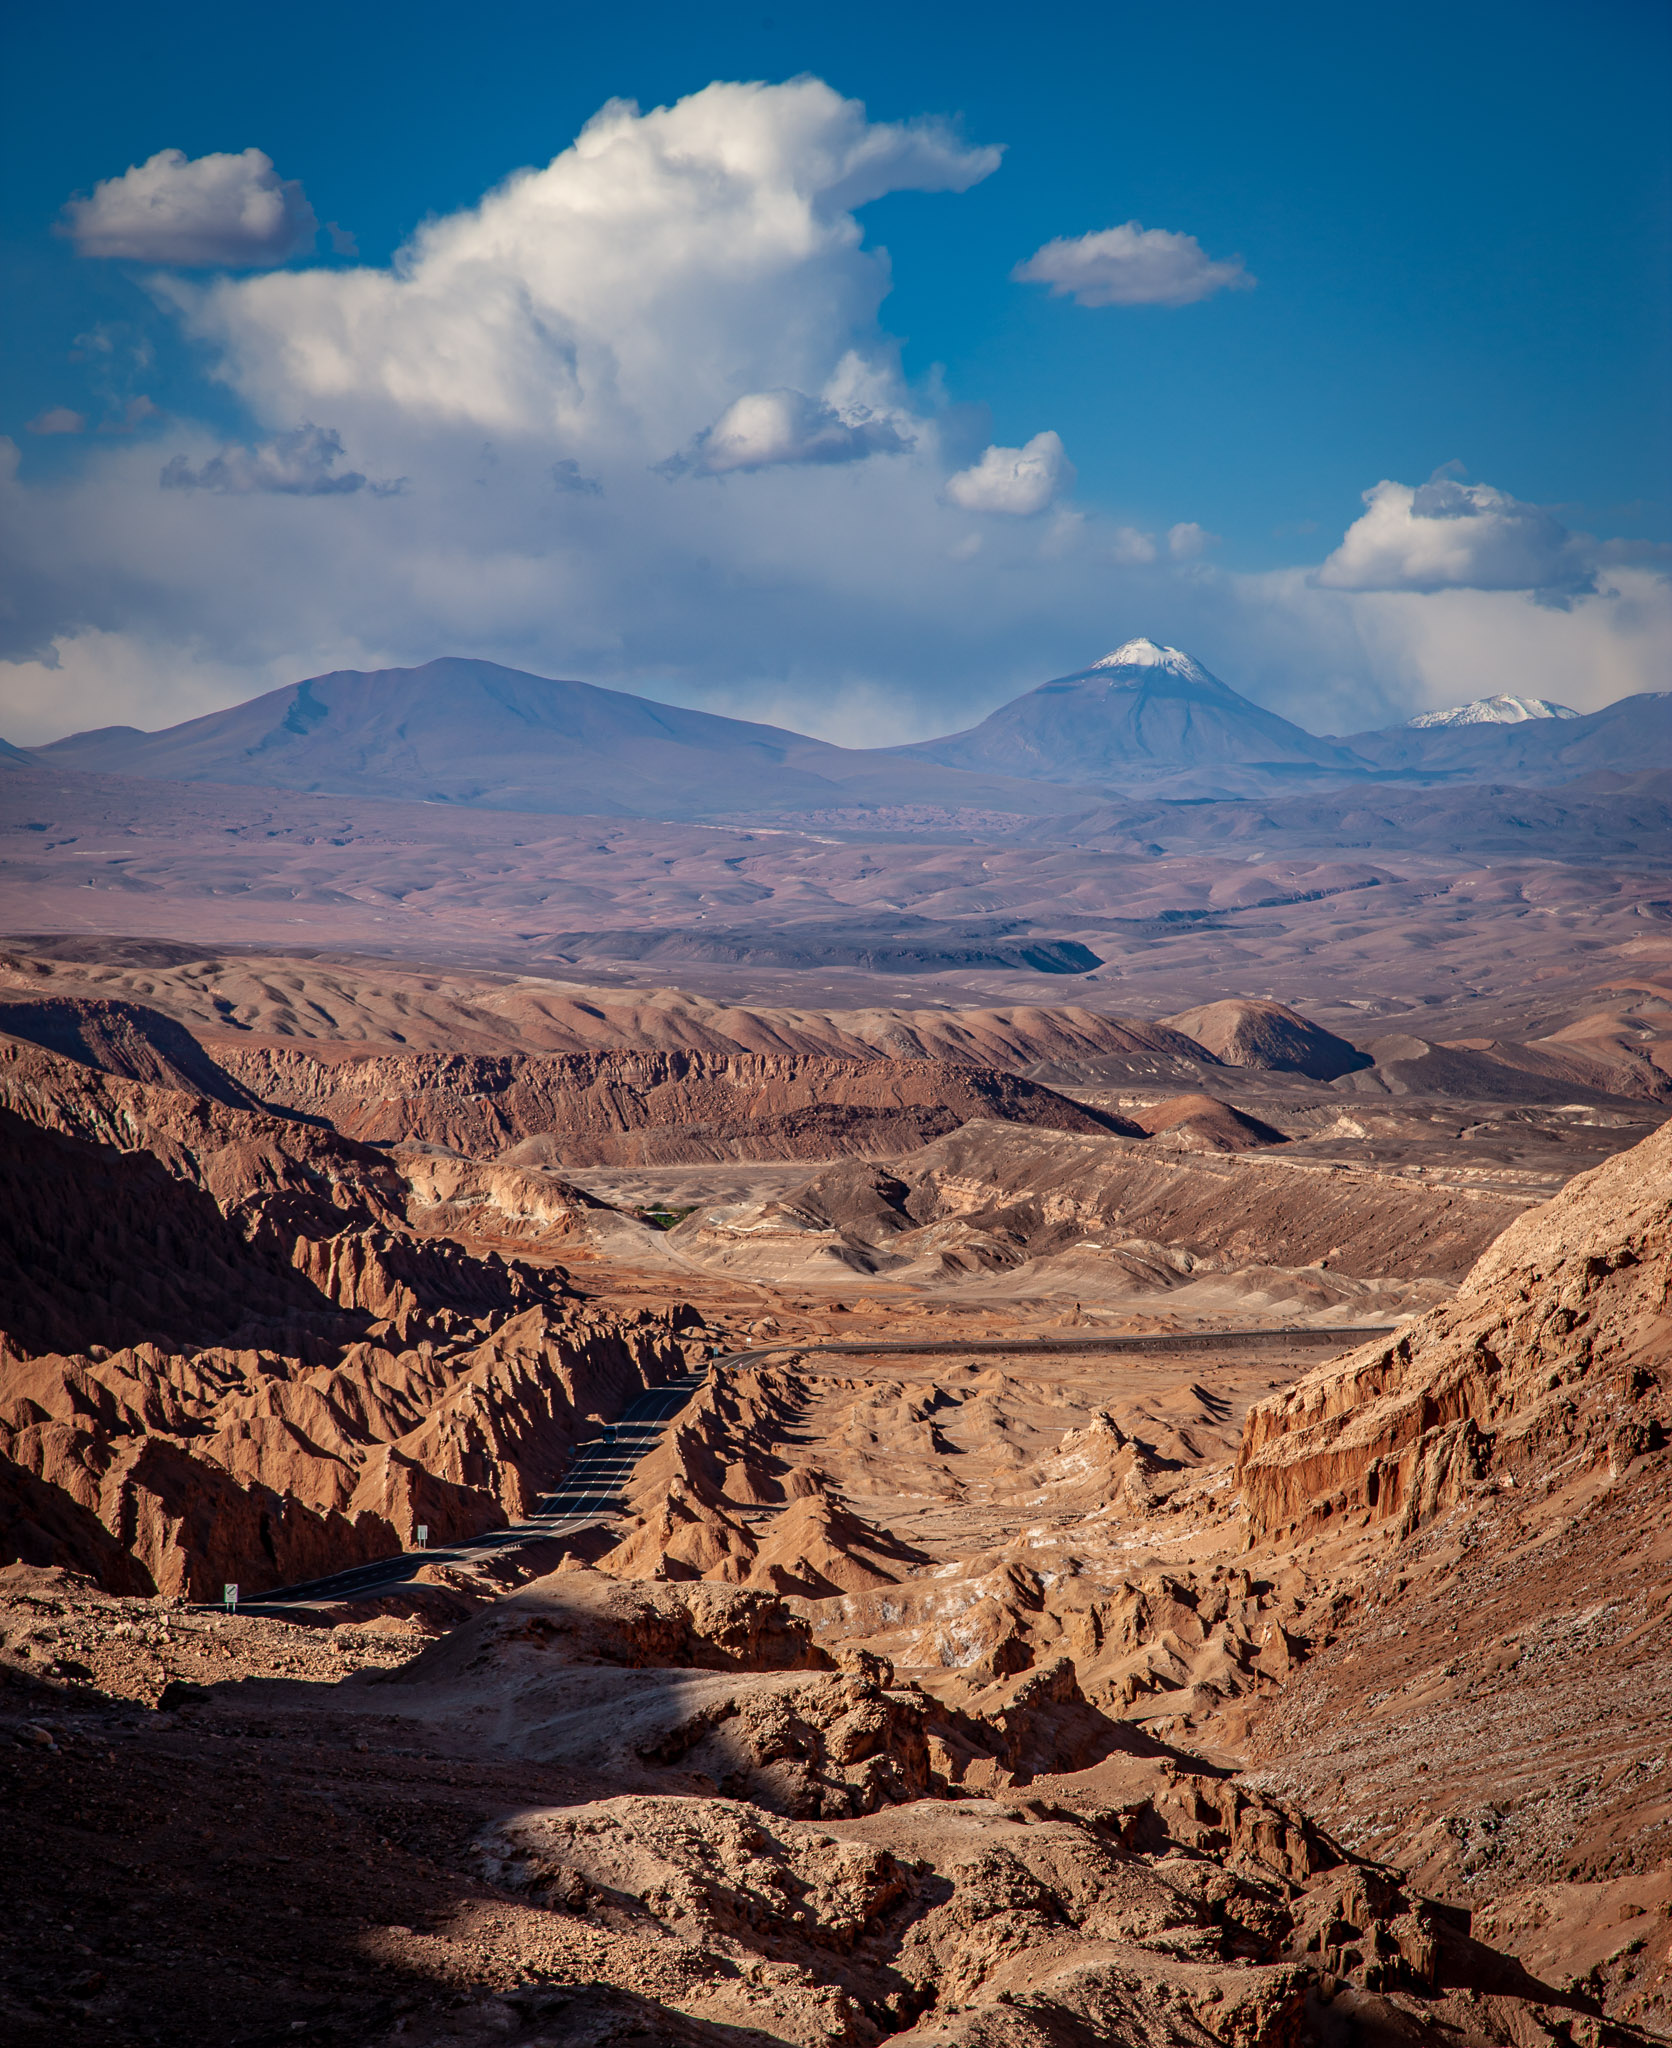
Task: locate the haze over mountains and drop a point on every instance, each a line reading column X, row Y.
column 1144, row 719
column 1631, row 735
column 1006, row 1384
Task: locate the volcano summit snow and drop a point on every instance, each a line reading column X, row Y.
column 1491, row 711
column 1142, row 712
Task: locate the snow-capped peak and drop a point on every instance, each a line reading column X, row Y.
column 1493, row 711
column 1150, row 654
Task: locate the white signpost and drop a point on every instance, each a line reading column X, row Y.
column 421, row 1536
column 229, row 1593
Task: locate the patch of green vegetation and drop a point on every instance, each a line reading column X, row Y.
column 660, row 1217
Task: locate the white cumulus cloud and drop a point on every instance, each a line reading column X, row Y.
column 1019, row 481
column 1187, row 540
column 686, row 281
column 1132, row 266
column 1448, row 535
column 1132, row 546
column 764, row 428
column 629, row 292
column 218, row 209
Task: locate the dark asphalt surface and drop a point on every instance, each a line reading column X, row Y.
column 591, row 1487
column 1163, row 1343
column 595, row 1480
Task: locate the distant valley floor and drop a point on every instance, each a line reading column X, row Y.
column 1472, row 913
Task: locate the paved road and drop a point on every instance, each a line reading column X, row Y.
column 1338, row 1336
column 594, row 1482
column 590, row 1488
column 387, row 1572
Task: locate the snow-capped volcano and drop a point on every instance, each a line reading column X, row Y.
column 1151, row 654
column 1143, row 713
column 1492, row 711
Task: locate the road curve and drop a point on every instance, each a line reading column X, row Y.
column 592, row 1486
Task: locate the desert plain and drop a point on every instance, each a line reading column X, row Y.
column 904, row 1421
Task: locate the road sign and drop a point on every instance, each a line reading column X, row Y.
column 229, row 1593
column 421, row 1535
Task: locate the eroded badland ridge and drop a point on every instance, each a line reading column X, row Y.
column 1066, row 1443
column 1022, row 1687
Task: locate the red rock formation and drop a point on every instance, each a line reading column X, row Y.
column 1556, row 1347
column 1202, row 1123
column 625, row 1108
column 224, row 1353
column 129, row 1039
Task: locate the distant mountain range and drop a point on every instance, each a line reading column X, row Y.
column 1145, row 719
column 1493, row 711
column 1624, row 738
column 473, row 733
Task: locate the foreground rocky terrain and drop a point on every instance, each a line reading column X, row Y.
column 228, row 1354
column 945, row 1671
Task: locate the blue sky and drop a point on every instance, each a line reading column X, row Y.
column 1458, row 220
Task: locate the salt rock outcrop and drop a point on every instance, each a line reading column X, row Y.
column 583, row 1616
column 1153, row 1899
column 727, row 1444
column 1486, row 1500
column 817, row 1547
column 718, row 1686
column 692, row 1493
column 1180, row 1911
column 483, row 1200
column 1556, row 1348
column 267, row 1468
column 701, row 1689
column 632, row 1108
column 1138, row 1642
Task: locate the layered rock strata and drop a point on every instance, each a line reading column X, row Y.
column 1556, row 1351
column 625, row 1108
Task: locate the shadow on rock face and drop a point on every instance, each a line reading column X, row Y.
column 538, row 2015
column 585, row 1617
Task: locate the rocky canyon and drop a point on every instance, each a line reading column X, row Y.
column 1144, row 1528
